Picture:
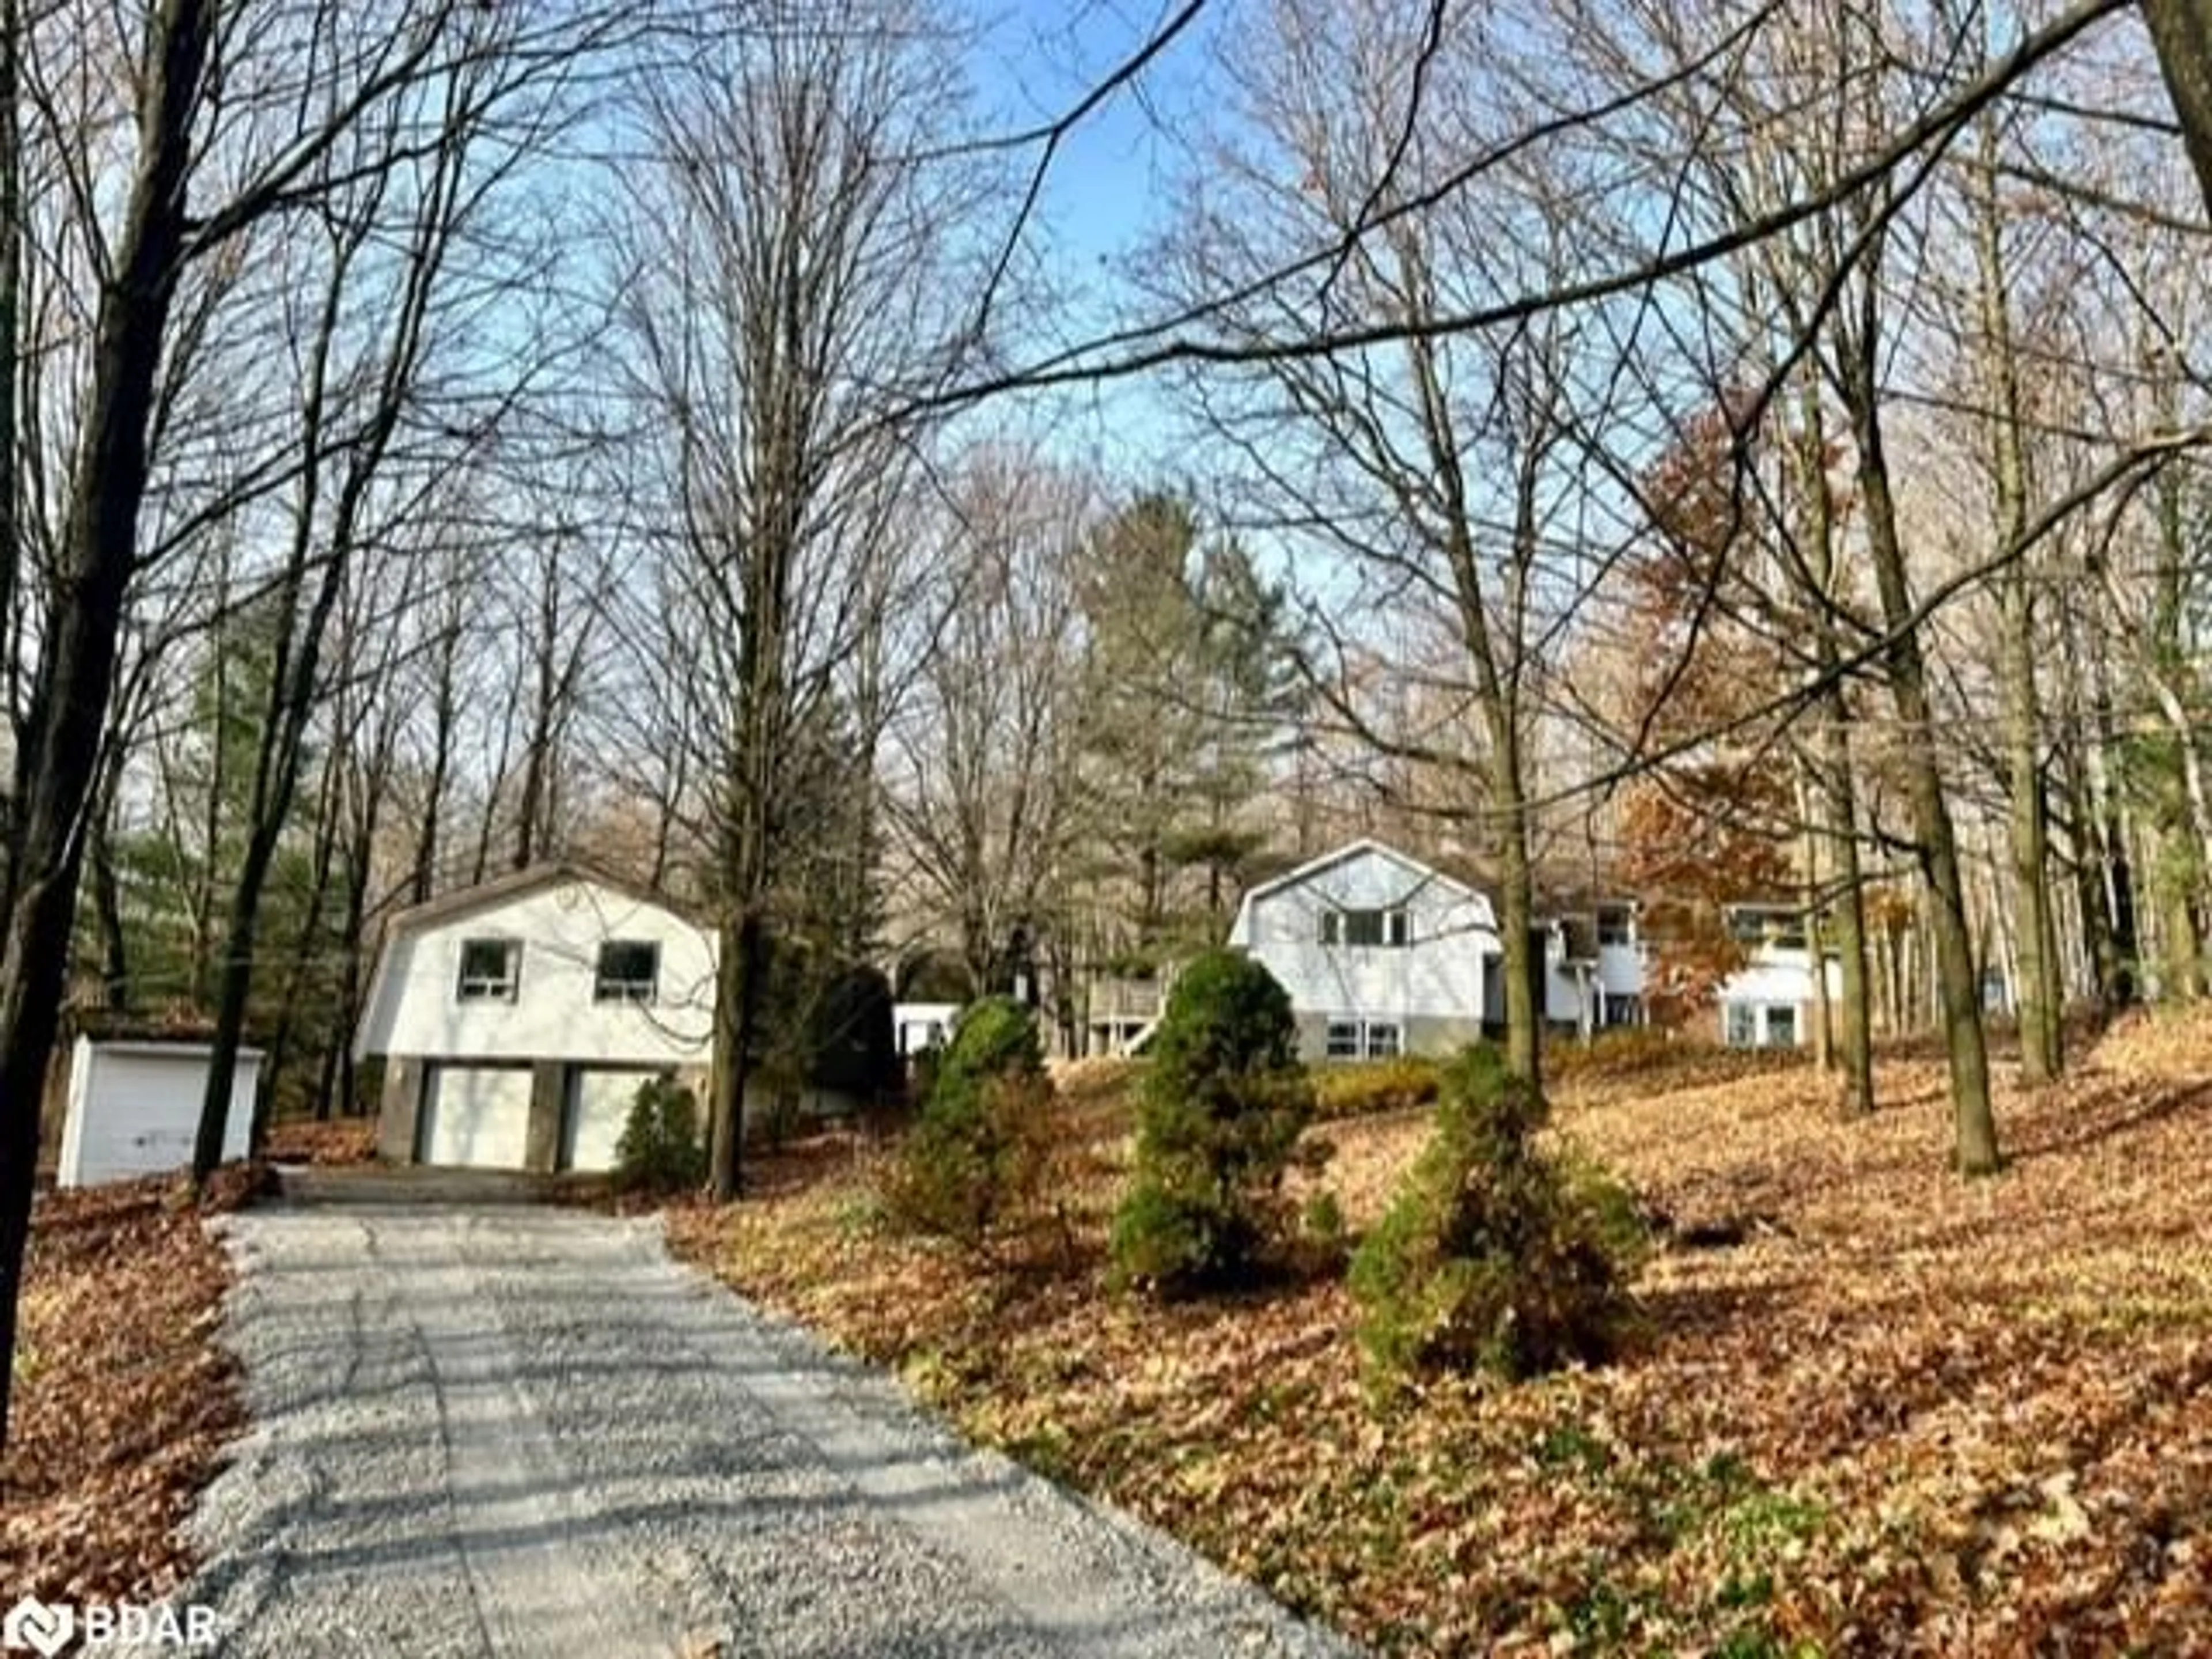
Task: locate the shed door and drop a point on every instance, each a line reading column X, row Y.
column 478, row 1116
column 598, row 1106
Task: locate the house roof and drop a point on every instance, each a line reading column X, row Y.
column 1240, row 931
column 1345, row 855
column 547, row 873
column 464, row 900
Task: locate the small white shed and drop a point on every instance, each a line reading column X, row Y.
column 134, row 1107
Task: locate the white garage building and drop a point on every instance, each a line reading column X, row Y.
column 134, row 1109
column 517, row 1019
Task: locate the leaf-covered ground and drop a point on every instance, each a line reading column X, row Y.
column 1903, row 1414
column 324, row 1142
column 124, row 1400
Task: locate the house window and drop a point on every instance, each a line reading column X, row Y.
column 1743, row 1027
column 1622, row 1008
column 1781, row 1025
column 1773, row 930
column 1612, row 924
column 630, row 971
column 1364, row 1039
column 491, row 968
column 1365, row 927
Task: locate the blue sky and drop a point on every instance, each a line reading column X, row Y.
column 1109, row 187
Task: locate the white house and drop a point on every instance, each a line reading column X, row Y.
column 1381, row 955
column 517, row 1019
column 1594, row 968
column 917, row 1027
column 1771, row 1002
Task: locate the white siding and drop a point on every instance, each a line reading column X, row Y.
column 416, row 1009
column 1776, row 977
column 1621, row 970
column 919, row 1025
column 1437, row 975
column 134, row 1109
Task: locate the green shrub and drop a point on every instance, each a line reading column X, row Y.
column 1219, row 1111
column 661, row 1150
column 976, row 1155
column 1496, row 1254
column 1361, row 1088
column 992, row 1037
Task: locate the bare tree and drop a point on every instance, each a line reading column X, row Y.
column 60, row 744
column 249, row 150
column 1440, row 468
column 983, row 796
column 796, row 248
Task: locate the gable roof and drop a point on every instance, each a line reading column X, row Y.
column 463, row 900
column 1240, row 931
column 547, row 873
column 1344, row 854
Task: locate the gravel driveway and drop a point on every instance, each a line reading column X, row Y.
column 519, row 1431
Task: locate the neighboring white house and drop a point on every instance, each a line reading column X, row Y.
column 517, row 1019
column 1381, row 954
column 134, row 1109
column 1594, row 968
column 917, row 1026
column 1597, row 977
column 1771, row 1002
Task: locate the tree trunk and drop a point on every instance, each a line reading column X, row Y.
column 1836, row 787
column 737, row 1005
column 1957, row 985
column 2124, row 985
column 233, row 984
column 423, row 881
column 2035, row 996
column 11, row 333
column 106, row 887
column 1823, row 1034
column 2182, row 32
column 361, row 856
column 323, row 860
column 1524, row 1054
column 2098, row 863
column 537, row 756
column 55, row 766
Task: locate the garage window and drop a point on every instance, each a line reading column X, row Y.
column 491, row 969
column 630, row 971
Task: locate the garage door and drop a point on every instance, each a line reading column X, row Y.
column 478, row 1116
column 598, row 1106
